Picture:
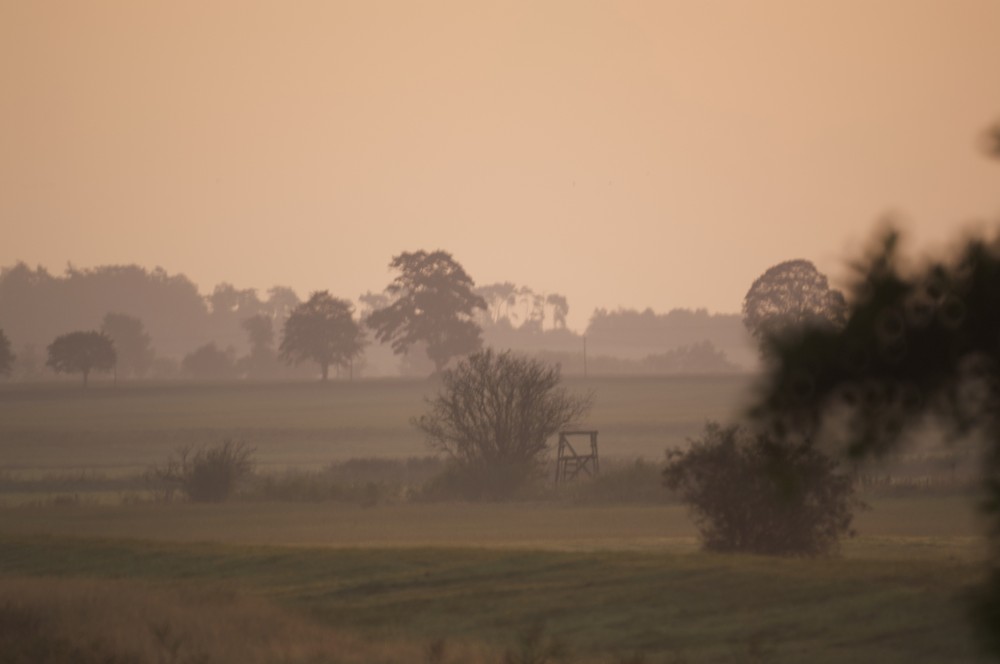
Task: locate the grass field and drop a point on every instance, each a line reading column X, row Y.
column 54, row 427
column 607, row 582
column 254, row 580
column 603, row 605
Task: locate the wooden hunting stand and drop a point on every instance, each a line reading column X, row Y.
column 569, row 463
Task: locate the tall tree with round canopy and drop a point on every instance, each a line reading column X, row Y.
column 322, row 330
column 433, row 302
column 789, row 295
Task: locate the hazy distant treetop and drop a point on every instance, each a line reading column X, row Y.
column 560, row 309
column 280, row 302
column 322, row 330
column 260, row 330
column 227, row 299
column 36, row 305
column 6, row 355
column 499, row 298
column 82, row 352
column 650, row 331
column 132, row 344
column 790, row 295
column 514, row 306
column 209, row 362
column 432, row 302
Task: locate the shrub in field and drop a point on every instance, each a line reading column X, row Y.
column 208, row 474
column 493, row 418
column 750, row 493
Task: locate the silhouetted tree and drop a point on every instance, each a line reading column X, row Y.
column 281, row 300
column 209, row 362
column 262, row 360
column 493, row 417
column 916, row 342
column 132, row 344
column 432, row 302
column 35, row 304
column 322, row 330
column 499, row 298
column 226, row 299
column 260, row 330
column 82, row 352
column 6, row 355
column 751, row 493
column 560, row 309
column 788, row 295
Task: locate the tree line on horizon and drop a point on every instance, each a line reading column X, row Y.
column 165, row 328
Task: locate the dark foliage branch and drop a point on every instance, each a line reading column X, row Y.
column 916, row 342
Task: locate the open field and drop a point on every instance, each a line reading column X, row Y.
column 927, row 519
column 383, row 583
column 59, row 426
column 889, row 601
column 258, row 580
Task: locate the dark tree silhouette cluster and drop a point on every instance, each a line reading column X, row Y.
column 914, row 343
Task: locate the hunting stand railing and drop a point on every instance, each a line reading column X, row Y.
column 569, row 462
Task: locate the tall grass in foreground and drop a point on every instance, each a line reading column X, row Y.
column 74, row 621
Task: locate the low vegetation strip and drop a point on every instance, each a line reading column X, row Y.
column 692, row 607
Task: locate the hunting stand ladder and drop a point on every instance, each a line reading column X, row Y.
column 569, row 462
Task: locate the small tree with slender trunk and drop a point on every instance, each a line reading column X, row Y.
column 82, row 352
column 322, row 330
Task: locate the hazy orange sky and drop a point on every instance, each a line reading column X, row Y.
column 632, row 154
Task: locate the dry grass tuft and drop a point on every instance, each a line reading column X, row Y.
column 64, row 621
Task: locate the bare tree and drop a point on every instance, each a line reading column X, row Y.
column 493, row 418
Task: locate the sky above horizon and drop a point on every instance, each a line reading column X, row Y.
column 624, row 154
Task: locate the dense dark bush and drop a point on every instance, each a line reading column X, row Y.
column 207, row 474
column 752, row 494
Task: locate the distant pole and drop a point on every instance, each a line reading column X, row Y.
column 585, row 356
